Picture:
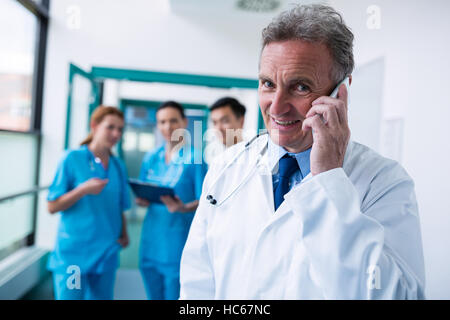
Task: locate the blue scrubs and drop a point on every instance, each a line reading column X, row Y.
column 164, row 233
column 88, row 231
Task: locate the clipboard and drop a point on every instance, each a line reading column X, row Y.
column 149, row 191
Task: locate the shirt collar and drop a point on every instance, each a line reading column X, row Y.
column 177, row 157
column 276, row 152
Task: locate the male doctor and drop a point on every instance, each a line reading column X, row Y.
column 227, row 116
column 303, row 212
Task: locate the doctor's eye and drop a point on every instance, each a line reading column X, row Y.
column 267, row 84
column 302, row 88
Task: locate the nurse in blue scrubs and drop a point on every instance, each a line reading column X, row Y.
column 166, row 226
column 90, row 190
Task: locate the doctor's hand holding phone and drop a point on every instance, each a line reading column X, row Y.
column 328, row 121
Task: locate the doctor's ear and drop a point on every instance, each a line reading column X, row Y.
column 350, row 78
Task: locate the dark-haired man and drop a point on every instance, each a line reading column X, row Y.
column 227, row 115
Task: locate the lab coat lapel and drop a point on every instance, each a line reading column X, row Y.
column 264, row 180
column 284, row 209
column 266, row 185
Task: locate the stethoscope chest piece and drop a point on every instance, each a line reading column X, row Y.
column 91, row 163
column 211, row 199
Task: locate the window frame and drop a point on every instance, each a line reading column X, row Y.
column 41, row 12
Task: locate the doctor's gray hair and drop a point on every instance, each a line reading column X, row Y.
column 315, row 23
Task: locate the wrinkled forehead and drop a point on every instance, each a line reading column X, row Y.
column 296, row 55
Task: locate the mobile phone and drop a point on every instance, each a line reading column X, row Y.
column 346, row 81
column 334, row 94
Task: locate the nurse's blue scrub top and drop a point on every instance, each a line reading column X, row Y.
column 164, row 233
column 88, row 231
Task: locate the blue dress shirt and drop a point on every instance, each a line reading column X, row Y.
column 276, row 152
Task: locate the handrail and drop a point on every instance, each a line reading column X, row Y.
column 20, row 194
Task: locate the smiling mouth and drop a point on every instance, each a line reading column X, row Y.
column 285, row 122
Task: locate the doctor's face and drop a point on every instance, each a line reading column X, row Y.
column 224, row 119
column 292, row 74
column 168, row 120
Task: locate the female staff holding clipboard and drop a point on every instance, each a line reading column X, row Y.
column 91, row 192
column 166, row 226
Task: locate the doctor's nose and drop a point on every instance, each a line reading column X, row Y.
column 279, row 103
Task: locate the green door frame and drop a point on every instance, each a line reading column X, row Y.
column 99, row 74
column 174, row 78
column 95, row 95
column 178, row 78
column 155, row 104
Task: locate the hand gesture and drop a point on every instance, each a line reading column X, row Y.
column 142, row 202
column 173, row 204
column 93, row 185
column 124, row 240
column 329, row 122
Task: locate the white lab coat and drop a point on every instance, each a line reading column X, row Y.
column 349, row 233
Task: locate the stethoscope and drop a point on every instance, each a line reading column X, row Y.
column 210, row 197
column 91, row 162
column 93, row 159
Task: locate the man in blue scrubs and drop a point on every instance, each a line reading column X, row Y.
column 166, row 226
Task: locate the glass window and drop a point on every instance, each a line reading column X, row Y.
column 17, row 162
column 16, row 220
column 140, row 129
column 17, row 51
column 23, row 30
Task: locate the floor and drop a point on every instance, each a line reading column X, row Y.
column 128, row 285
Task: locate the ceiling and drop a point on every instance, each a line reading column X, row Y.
column 237, row 7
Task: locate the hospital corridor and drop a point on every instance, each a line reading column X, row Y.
column 125, row 128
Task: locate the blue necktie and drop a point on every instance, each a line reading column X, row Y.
column 286, row 168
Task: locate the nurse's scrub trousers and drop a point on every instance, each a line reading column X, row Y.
column 92, row 286
column 161, row 281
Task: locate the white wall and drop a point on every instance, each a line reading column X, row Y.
column 413, row 39
column 145, row 35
